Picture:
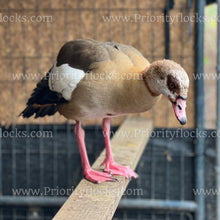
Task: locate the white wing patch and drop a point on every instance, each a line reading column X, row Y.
column 64, row 79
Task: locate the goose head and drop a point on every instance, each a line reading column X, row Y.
column 170, row 79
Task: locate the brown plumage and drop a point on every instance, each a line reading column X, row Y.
column 94, row 79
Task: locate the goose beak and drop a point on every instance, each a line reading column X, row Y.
column 179, row 107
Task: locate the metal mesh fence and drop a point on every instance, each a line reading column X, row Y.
column 165, row 169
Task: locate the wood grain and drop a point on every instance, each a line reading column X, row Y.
column 99, row 201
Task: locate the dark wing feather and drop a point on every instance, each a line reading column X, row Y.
column 43, row 101
column 43, row 95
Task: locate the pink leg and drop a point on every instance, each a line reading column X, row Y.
column 91, row 175
column 111, row 167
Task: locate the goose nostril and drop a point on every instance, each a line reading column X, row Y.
column 180, row 107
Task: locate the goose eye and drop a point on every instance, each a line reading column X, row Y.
column 172, row 85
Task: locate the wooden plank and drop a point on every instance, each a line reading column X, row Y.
column 99, row 201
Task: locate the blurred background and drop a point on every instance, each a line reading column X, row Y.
column 210, row 54
column 29, row 48
column 32, row 32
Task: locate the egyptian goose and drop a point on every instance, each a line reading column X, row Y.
column 92, row 79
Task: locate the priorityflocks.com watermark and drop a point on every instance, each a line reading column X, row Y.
column 59, row 191
column 17, row 133
column 22, row 18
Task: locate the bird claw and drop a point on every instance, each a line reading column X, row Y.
column 115, row 169
column 98, row 177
